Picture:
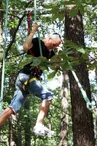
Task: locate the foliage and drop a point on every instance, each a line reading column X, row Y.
column 51, row 13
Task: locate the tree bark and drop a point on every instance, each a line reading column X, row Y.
column 64, row 116
column 82, row 119
column 27, row 126
column 11, row 133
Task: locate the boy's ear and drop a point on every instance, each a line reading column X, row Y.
column 50, row 38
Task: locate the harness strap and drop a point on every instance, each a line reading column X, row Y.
column 29, row 18
column 31, row 53
column 35, row 68
column 28, row 81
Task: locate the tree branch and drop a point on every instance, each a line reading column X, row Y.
column 15, row 32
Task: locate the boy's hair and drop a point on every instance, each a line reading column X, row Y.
column 55, row 35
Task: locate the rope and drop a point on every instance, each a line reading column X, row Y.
column 3, row 67
column 89, row 104
column 35, row 8
column 84, row 95
column 29, row 18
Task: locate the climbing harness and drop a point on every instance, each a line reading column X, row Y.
column 28, row 81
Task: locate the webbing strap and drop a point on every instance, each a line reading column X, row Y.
column 31, row 52
column 28, row 81
column 82, row 90
column 31, row 80
column 3, row 67
column 29, row 18
column 84, row 95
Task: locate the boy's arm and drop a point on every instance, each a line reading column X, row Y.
column 28, row 42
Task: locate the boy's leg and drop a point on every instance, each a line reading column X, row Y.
column 39, row 90
column 16, row 103
column 36, row 88
column 14, row 107
column 5, row 115
column 39, row 128
column 44, row 108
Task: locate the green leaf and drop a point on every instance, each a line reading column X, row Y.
column 52, row 66
column 78, row 2
column 70, row 44
column 68, row 2
column 51, row 75
column 81, row 10
column 44, row 67
column 26, row 61
column 36, row 62
column 65, row 66
column 43, row 59
column 81, row 50
column 74, row 11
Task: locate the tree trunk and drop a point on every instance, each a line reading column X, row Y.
column 64, row 116
column 11, row 133
column 27, row 126
column 82, row 119
column 95, row 113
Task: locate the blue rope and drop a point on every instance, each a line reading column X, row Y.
column 3, row 67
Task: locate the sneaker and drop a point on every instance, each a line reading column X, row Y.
column 41, row 130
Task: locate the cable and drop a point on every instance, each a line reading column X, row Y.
column 3, row 67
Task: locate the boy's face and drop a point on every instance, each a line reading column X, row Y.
column 53, row 43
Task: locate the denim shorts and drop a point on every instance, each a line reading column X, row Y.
column 35, row 87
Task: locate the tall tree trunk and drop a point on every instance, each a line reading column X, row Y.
column 11, row 132
column 18, row 133
column 83, row 129
column 95, row 113
column 64, row 116
column 27, row 126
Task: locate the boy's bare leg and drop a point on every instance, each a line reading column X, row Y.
column 5, row 115
column 39, row 128
column 44, row 108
